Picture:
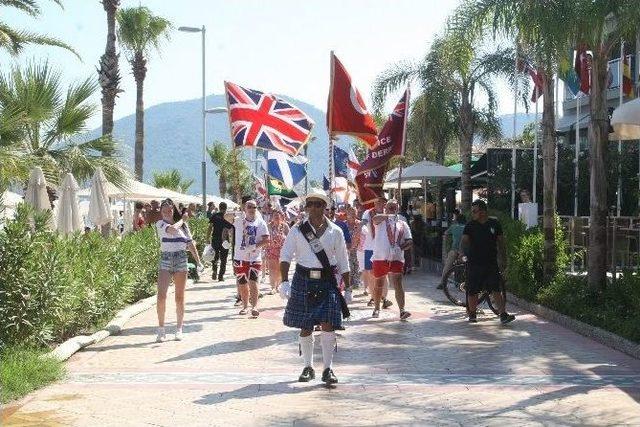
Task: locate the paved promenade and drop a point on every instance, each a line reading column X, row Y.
column 436, row 369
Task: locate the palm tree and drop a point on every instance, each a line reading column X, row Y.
column 171, row 179
column 109, row 71
column 140, row 32
column 457, row 67
column 541, row 30
column 600, row 24
column 234, row 176
column 44, row 124
column 14, row 40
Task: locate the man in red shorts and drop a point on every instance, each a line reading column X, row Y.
column 392, row 238
column 251, row 235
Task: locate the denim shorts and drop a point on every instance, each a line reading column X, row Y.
column 173, row 262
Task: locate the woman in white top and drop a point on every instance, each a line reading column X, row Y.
column 175, row 239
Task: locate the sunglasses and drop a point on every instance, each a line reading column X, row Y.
column 314, row 204
column 251, row 207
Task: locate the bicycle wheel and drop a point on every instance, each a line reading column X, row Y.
column 493, row 305
column 454, row 284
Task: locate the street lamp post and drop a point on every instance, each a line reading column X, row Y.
column 204, row 112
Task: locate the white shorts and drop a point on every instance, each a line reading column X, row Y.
column 360, row 261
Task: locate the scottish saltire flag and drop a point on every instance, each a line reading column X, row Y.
column 264, row 121
column 340, row 162
column 325, row 183
column 285, row 168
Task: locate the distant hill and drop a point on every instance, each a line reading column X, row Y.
column 173, row 138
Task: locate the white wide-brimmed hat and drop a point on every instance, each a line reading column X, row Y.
column 318, row 194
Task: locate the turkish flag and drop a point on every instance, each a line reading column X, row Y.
column 346, row 112
column 391, row 139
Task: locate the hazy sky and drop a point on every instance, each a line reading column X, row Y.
column 279, row 46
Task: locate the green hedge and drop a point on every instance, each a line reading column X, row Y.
column 53, row 287
column 617, row 309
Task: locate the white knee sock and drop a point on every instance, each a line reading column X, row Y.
column 328, row 341
column 306, row 348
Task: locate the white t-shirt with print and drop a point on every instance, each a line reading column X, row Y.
column 383, row 250
column 248, row 234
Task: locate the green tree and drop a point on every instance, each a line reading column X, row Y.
column 171, row 179
column 14, row 40
column 109, row 71
column 41, row 124
column 140, row 32
column 454, row 71
column 234, row 176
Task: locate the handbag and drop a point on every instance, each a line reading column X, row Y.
column 316, row 247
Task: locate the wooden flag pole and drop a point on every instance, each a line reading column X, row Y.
column 329, row 127
column 400, row 183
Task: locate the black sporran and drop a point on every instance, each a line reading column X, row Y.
column 316, row 293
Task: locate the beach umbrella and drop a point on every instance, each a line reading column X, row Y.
column 36, row 194
column 68, row 219
column 99, row 208
column 625, row 121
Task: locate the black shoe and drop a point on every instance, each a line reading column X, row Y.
column 386, row 303
column 307, row 375
column 507, row 318
column 220, row 279
column 440, row 286
column 473, row 318
column 328, row 376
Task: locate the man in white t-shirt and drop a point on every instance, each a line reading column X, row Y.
column 392, row 238
column 367, row 276
column 251, row 234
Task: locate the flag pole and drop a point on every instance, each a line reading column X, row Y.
column 620, row 96
column 513, row 135
column 329, row 126
column 403, row 142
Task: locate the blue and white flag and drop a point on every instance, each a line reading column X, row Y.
column 285, row 168
column 346, row 163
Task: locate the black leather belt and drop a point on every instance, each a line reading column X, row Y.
column 313, row 273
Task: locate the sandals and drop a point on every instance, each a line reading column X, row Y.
column 243, row 312
column 375, row 314
column 254, row 313
column 404, row 315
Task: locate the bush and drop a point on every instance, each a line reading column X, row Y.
column 53, row 287
column 617, row 309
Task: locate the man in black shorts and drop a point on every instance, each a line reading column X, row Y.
column 483, row 243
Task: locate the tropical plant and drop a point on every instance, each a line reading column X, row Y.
column 601, row 25
column 171, row 179
column 234, row 176
column 13, row 40
column 40, row 125
column 453, row 72
column 541, row 30
column 140, row 32
column 109, row 71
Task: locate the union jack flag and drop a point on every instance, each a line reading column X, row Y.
column 264, row 121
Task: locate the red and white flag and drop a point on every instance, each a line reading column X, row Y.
column 391, row 140
column 346, row 112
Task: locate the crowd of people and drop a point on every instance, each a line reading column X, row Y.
column 336, row 250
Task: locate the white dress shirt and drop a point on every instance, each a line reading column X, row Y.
column 332, row 240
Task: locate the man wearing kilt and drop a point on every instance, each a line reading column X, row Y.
column 314, row 295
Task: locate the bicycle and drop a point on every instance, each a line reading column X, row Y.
column 453, row 285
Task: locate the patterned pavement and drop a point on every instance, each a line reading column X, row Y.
column 435, row 369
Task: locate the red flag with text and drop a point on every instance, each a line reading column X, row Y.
column 391, row 140
column 369, row 185
column 346, row 112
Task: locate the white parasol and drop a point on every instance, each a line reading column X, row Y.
column 99, row 208
column 68, row 220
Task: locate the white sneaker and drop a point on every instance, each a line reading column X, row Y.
column 178, row 334
column 348, row 296
column 162, row 335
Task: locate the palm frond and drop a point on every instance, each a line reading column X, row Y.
column 140, row 31
column 15, row 41
column 390, row 80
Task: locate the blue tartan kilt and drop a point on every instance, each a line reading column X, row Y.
column 300, row 314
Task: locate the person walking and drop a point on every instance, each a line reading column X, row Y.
column 319, row 249
column 483, row 244
column 392, row 238
column 452, row 234
column 278, row 230
column 378, row 208
column 251, row 235
column 175, row 239
column 218, row 233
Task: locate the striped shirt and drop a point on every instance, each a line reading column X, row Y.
column 173, row 242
